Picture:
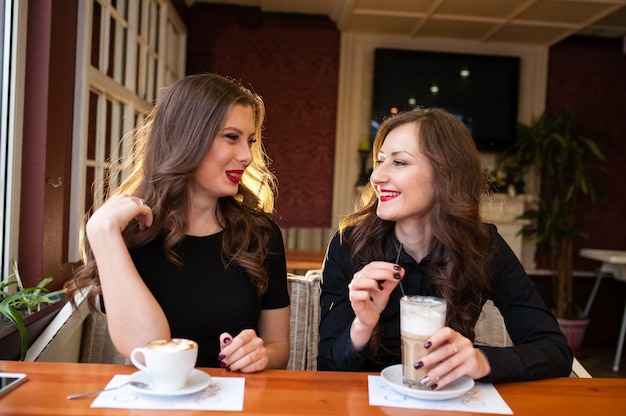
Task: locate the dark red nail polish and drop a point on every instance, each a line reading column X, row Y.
column 433, row 386
column 226, row 341
column 223, row 364
column 396, row 268
column 397, row 276
column 418, row 365
column 221, row 357
column 428, row 345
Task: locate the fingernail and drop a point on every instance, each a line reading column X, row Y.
column 418, row 365
column 397, row 276
column 226, row 341
column 396, row 268
column 433, row 386
column 223, row 364
column 380, row 287
column 428, row 345
column 228, row 368
column 221, row 357
column 371, row 299
column 424, row 380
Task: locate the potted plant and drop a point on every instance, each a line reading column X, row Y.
column 18, row 303
column 568, row 163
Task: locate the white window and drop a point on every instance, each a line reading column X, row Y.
column 12, row 60
column 126, row 51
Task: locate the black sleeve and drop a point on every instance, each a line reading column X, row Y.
column 336, row 315
column 541, row 350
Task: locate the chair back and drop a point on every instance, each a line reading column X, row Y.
column 304, row 293
column 97, row 346
column 491, row 330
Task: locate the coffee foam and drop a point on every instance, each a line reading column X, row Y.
column 424, row 317
column 172, row 345
column 422, row 322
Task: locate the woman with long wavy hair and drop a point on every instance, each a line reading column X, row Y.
column 418, row 224
column 185, row 247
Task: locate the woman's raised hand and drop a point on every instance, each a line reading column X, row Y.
column 117, row 212
column 370, row 289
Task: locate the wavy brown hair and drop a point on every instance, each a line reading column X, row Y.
column 167, row 149
column 458, row 267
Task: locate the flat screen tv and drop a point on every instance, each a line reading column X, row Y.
column 481, row 90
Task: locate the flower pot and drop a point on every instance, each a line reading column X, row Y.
column 36, row 323
column 574, row 330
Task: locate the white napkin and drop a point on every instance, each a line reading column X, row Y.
column 482, row 398
column 224, row 393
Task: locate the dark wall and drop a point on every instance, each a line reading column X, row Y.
column 589, row 74
column 292, row 61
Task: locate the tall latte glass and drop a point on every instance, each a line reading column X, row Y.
column 420, row 317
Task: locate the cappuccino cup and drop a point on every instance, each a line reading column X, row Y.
column 420, row 318
column 168, row 362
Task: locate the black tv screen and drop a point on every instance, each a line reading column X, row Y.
column 481, row 90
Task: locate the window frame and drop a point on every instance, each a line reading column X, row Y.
column 149, row 39
column 13, row 16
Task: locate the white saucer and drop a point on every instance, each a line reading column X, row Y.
column 196, row 381
column 392, row 375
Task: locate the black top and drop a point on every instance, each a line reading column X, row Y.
column 540, row 350
column 202, row 299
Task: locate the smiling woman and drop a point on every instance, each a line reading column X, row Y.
column 417, row 230
column 200, row 259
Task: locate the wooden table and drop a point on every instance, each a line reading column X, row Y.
column 285, row 392
column 304, row 259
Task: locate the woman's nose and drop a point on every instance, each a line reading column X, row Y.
column 245, row 155
column 378, row 175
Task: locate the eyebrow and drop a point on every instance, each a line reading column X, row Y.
column 397, row 152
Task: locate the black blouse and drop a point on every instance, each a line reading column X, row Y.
column 203, row 298
column 540, row 350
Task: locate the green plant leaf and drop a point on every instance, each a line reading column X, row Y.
column 31, row 298
column 569, row 165
column 14, row 316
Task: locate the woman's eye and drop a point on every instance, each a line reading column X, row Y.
column 251, row 141
column 232, row 136
column 398, row 163
column 378, row 162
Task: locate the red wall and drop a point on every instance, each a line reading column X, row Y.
column 292, row 61
column 589, row 74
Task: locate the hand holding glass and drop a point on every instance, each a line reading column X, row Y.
column 420, row 318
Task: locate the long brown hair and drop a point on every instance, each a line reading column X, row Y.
column 458, row 269
column 167, row 149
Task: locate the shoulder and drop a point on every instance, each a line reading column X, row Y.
column 496, row 241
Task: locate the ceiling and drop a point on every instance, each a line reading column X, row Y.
column 536, row 22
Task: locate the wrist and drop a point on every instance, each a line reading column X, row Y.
column 484, row 366
column 360, row 334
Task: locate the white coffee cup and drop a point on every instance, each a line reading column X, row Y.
column 420, row 318
column 168, row 362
